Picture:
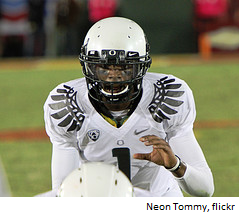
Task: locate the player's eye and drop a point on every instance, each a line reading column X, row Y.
column 103, row 71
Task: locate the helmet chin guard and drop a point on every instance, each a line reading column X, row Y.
column 117, row 42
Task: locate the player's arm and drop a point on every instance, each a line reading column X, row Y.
column 65, row 155
column 197, row 179
column 64, row 161
column 190, row 169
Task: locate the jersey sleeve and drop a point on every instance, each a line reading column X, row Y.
column 65, row 156
column 198, row 179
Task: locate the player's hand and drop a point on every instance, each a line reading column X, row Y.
column 162, row 153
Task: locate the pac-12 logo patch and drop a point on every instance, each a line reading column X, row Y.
column 94, row 134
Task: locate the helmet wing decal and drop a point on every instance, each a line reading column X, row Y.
column 67, row 109
column 164, row 103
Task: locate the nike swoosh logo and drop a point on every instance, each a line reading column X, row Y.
column 132, row 54
column 137, row 132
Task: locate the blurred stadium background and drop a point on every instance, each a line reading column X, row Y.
column 204, row 51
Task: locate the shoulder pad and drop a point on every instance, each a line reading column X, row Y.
column 164, row 101
column 67, row 108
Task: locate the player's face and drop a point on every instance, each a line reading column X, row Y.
column 114, row 77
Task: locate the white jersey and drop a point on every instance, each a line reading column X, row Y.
column 79, row 133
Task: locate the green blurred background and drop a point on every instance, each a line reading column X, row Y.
column 25, row 84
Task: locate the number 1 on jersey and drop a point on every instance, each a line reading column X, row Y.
column 123, row 157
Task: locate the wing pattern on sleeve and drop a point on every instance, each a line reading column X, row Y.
column 164, row 101
column 67, row 109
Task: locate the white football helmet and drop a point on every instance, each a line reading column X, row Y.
column 117, row 42
column 96, row 179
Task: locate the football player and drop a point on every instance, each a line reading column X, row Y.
column 119, row 114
